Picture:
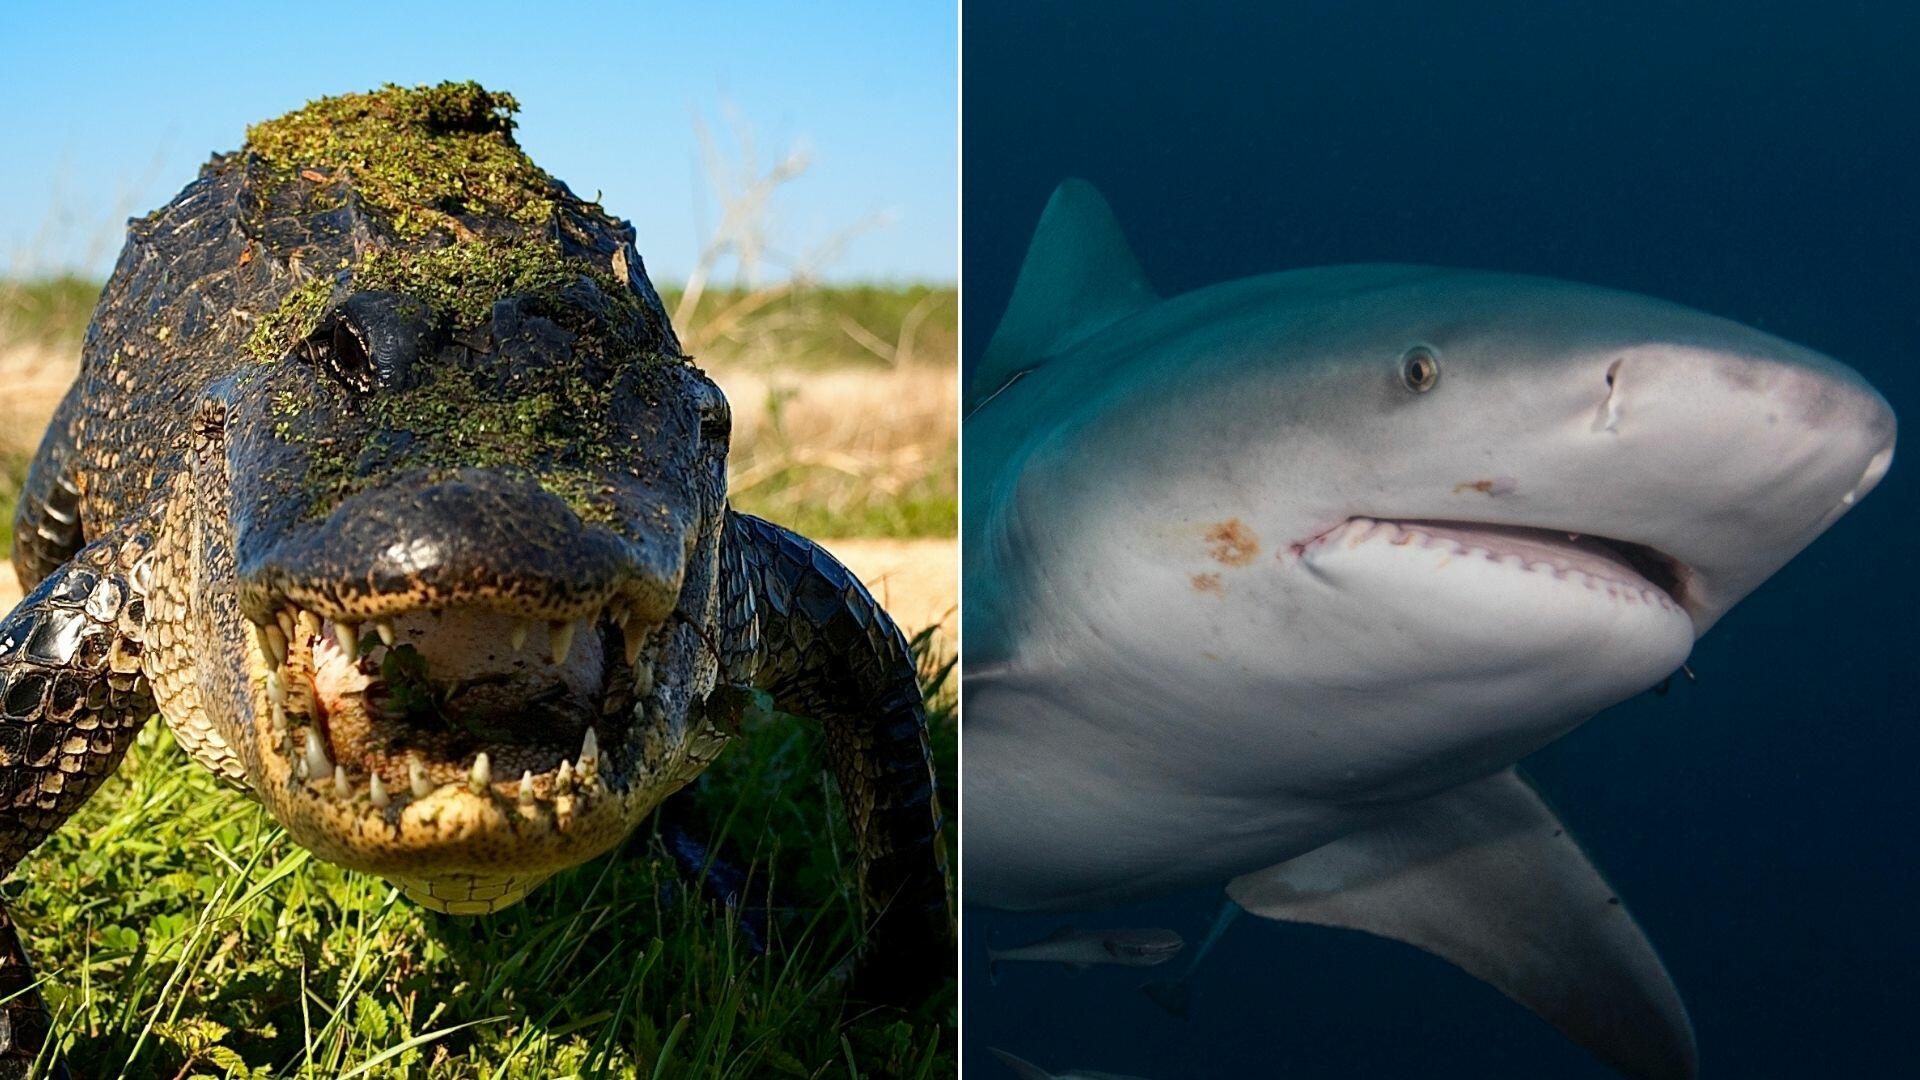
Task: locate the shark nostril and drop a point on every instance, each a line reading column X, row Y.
column 1609, row 417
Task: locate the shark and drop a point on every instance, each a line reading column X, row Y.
column 1272, row 584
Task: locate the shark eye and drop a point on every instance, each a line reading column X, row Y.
column 1420, row 369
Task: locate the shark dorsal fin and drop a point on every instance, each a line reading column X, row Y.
column 1079, row 277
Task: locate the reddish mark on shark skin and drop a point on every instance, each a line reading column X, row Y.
column 1498, row 486
column 1231, row 543
column 1207, row 583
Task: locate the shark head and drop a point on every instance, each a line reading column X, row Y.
column 1450, row 513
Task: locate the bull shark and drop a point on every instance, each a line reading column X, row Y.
column 1084, row 948
column 1273, row 583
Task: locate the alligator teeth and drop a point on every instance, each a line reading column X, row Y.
column 384, row 627
column 417, row 776
column 519, row 637
column 284, row 619
column 348, row 635
column 561, row 641
column 276, row 643
column 634, row 639
column 341, row 789
column 642, row 679
column 280, row 723
column 526, row 788
column 589, row 754
column 309, row 624
column 563, row 780
column 482, row 775
column 316, row 758
column 276, row 689
column 377, row 792
column 300, row 768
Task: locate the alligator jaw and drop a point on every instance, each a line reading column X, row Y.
column 465, row 820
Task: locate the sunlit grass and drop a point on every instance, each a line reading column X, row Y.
column 179, row 931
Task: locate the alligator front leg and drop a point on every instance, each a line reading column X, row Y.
column 814, row 638
column 72, row 698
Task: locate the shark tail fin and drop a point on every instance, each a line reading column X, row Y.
column 1486, row 877
column 1173, row 995
column 1079, row 277
column 1022, row 1068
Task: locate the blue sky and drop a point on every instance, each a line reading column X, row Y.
column 112, row 108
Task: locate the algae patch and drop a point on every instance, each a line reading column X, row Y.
column 425, row 156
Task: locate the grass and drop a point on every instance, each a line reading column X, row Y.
column 180, row 932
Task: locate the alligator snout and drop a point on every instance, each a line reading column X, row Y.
column 480, row 540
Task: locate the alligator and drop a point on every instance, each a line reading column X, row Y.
column 386, row 482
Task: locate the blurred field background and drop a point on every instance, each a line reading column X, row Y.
column 179, row 932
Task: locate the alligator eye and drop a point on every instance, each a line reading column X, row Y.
column 1420, row 369
column 348, row 359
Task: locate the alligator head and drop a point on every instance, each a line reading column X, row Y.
column 470, row 497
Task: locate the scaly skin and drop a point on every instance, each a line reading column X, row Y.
column 410, row 521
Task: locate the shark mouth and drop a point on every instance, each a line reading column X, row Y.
column 393, row 710
column 1621, row 568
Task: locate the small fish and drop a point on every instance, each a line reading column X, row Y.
column 1027, row 1070
column 1081, row 949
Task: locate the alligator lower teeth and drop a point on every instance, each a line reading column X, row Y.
column 642, row 678
column 317, row 762
column 589, row 755
column 482, row 775
column 341, row 788
column 377, row 792
column 276, row 689
column 417, row 776
column 563, row 780
column 526, row 788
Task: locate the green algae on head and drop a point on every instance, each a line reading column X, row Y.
column 422, row 156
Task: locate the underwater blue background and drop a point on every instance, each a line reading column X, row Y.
column 1760, row 161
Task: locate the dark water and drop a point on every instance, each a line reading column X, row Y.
column 1756, row 160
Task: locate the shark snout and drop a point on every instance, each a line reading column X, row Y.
column 1736, row 458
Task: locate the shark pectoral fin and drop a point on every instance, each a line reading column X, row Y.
column 1485, row 877
column 1079, row 276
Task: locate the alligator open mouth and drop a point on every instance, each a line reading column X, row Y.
column 399, row 708
column 1622, row 568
